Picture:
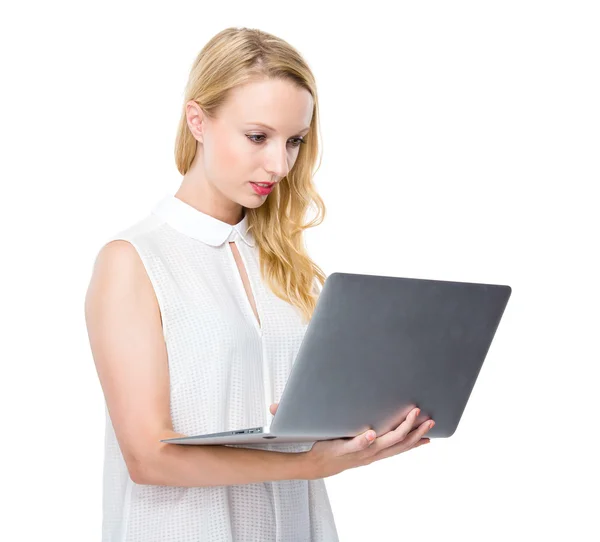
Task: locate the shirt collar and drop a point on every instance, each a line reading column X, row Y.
column 201, row 226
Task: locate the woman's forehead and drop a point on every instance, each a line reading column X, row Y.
column 278, row 106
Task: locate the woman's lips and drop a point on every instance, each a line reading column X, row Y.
column 261, row 190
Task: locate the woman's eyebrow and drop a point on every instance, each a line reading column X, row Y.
column 273, row 129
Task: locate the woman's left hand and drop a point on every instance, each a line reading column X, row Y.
column 273, row 408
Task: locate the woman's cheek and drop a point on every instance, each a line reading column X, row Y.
column 233, row 154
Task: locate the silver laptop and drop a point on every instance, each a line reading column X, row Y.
column 375, row 348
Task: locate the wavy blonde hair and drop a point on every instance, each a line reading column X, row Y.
column 236, row 56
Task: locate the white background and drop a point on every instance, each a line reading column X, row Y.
column 460, row 142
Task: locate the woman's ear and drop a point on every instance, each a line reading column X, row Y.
column 195, row 117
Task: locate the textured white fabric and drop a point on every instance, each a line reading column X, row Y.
column 225, row 370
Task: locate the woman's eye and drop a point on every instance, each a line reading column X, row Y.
column 298, row 140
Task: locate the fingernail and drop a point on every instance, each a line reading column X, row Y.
column 431, row 425
column 370, row 436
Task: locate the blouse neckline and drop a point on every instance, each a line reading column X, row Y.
column 199, row 225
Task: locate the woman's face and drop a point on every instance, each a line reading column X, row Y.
column 237, row 148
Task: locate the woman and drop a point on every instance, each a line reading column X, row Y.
column 196, row 312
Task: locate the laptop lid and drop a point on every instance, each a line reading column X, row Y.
column 377, row 346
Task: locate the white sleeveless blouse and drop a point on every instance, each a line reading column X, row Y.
column 225, row 370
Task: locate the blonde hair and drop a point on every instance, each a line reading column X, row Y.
column 236, row 56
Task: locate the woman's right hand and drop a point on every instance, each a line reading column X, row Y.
column 330, row 457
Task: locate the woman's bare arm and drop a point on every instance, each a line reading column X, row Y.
column 191, row 466
column 125, row 333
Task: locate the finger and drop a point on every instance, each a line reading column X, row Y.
column 399, row 434
column 358, row 443
column 414, row 440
